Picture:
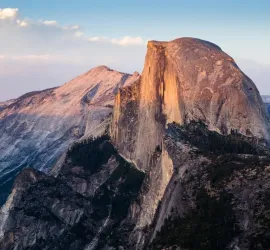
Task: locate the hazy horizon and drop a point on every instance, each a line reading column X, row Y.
column 45, row 44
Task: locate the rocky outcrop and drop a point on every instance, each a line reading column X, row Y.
column 183, row 80
column 218, row 193
column 85, row 207
column 37, row 128
column 190, row 79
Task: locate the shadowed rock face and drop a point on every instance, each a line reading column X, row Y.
column 218, row 194
column 82, row 208
column 37, row 128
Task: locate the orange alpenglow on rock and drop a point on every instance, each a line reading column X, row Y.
column 183, row 80
column 189, row 79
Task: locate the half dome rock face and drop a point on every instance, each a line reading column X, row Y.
column 183, row 80
column 38, row 127
column 196, row 80
column 190, row 79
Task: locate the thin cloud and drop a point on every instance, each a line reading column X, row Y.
column 50, row 23
column 124, row 41
column 32, row 57
column 78, row 33
column 74, row 27
column 22, row 23
column 10, row 17
column 37, row 50
column 99, row 39
column 128, row 40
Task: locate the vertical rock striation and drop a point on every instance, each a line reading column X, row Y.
column 183, row 80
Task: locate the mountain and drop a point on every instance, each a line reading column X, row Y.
column 38, row 127
column 183, row 80
column 183, row 165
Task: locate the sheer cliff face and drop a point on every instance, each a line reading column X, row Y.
column 190, row 79
column 38, row 127
column 183, row 80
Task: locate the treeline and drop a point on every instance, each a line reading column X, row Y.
column 91, row 153
column 197, row 134
column 210, row 225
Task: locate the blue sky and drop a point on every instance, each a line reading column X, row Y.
column 45, row 43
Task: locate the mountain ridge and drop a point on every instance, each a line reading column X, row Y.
column 39, row 126
column 183, row 80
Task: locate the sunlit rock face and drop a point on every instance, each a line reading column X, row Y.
column 38, row 127
column 183, row 80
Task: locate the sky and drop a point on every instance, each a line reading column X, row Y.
column 47, row 43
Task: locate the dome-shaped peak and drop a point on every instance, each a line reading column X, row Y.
column 190, row 41
column 186, row 42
